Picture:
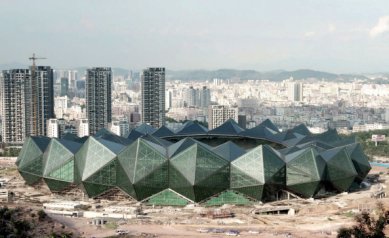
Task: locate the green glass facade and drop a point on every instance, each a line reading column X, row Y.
column 304, row 172
column 169, row 170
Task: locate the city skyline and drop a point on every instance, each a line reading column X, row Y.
column 339, row 37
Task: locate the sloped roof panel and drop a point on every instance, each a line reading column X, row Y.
column 134, row 134
column 160, row 148
column 41, row 141
column 269, row 124
column 163, row 131
column 229, row 127
column 145, row 129
column 72, row 146
column 157, row 140
column 301, row 129
column 229, row 150
column 116, row 139
column 330, row 136
column 102, row 132
column 179, row 146
column 111, row 145
column 193, row 128
column 71, row 137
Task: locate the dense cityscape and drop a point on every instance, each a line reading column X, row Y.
column 69, row 104
column 194, row 119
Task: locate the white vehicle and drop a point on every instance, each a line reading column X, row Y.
column 121, row 232
column 232, row 233
column 203, row 230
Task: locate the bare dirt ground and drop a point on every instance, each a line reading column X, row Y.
column 313, row 218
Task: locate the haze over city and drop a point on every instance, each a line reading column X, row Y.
column 194, row 118
column 335, row 36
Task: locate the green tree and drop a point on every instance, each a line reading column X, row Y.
column 41, row 215
column 367, row 225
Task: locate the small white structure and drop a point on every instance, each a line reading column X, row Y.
column 62, row 205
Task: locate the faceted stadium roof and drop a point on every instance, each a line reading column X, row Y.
column 228, row 164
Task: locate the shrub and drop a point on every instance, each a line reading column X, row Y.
column 41, row 215
column 367, row 225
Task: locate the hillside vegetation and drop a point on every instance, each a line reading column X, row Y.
column 25, row 223
column 364, row 138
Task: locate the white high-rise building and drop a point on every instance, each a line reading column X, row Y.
column 72, row 77
column 295, row 91
column 82, row 128
column 114, row 127
column 56, row 128
column 218, row 114
column 168, row 100
column 194, row 97
column 191, row 97
column 60, row 106
column 120, row 128
column 204, row 97
column 52, row 128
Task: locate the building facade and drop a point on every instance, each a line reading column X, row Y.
column 60, row 106
column 42, row 99
column 227, row 165
column 218, row 114
column 82, row 128
column 295, row 91
column 98, row 98
column 194, row 97
column 205, row 97
column 27, row 102
column 58, row 128
column 53, row 128
column 15, row 112
column 64, row 87
column 191, row 97
column 153, row 96
column 120, row 127
column 168, row 100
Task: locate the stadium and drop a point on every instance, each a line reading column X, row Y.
column 228, row 164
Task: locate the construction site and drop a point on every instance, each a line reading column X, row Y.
column 118, row 214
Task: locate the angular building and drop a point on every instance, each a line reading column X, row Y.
column 153, row 96
column 194, row 165
column 98, row 98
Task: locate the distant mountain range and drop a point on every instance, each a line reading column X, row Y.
column 202, row 75
column 278, row 75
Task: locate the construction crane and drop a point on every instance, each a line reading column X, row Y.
column 34, row 96
column 33, row 58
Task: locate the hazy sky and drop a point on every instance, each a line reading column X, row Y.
column 332, row 35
